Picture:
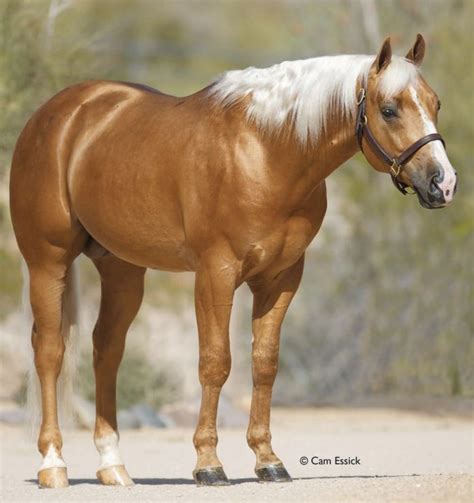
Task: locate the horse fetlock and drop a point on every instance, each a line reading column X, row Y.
column 107, row 445
column 265, row 456
column 205, row 439
column 49, row 438
column 258, row 437
column 207, row 460
column 52, row 458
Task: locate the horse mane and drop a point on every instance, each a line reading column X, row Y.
column 305, row 92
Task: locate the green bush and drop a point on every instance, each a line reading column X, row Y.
column 138, row 381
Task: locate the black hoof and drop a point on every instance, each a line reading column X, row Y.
column 211, row 477
column 273, row 473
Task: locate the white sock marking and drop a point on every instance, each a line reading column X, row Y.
column 108, row 450
column 52, row 459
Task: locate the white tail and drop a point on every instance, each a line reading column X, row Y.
column 69, row 332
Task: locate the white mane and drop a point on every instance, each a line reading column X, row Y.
column 307, row 90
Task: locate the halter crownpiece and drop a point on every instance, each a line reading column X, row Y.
column 396, row 163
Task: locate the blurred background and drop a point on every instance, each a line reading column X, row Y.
column 384, row 312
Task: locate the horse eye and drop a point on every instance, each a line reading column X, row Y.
column 439, row 105
column 388, row 113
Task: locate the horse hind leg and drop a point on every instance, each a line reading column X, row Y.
column 49, row 237
column 122, row 293
column 52, row 314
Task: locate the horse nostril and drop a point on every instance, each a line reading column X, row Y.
column 437, row 178
column 434, row 192
column 434, row 185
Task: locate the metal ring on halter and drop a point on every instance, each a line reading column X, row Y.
column 395, row 168
column 361, row 96
column 363, row 120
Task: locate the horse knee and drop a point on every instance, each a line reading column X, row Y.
column 265, row 367
column 214, row 368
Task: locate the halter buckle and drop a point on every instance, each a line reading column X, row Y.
column 395, row 168
column 361, row 96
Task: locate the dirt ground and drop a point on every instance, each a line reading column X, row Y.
column 404, row 456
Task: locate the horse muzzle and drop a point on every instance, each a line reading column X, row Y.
column 435, row 191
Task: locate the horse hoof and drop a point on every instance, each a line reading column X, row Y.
column 211, row 477
column 114, row 476
column 53, row 478
column 273, row 473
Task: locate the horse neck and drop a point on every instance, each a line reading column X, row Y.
column 316, row 160
column 336, row 145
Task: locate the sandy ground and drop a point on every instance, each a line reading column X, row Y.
column 404, row 456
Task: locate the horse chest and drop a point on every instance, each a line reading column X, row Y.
column 288, row 240
column 281, row 249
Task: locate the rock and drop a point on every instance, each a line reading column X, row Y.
column 127, row 420
column 148, row 417
column 185, row 414
column 167, row 420
column 138, row 416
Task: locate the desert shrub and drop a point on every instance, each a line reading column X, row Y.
column 139, row 381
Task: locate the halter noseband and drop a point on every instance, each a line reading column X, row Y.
column 362, row 130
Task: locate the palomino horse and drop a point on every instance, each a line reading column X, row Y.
column 228, row 182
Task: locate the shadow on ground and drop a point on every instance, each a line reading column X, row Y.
column 181, row 481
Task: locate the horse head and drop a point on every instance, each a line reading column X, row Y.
column 396, row 126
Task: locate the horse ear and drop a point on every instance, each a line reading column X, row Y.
column 417, row 52
column 384, row 56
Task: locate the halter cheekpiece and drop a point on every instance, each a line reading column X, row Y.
column 396, row 163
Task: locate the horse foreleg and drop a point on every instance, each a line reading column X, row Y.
column 214, row 291
column 271, row 300
column 122, row 293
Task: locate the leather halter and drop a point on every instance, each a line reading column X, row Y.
column 395, row 162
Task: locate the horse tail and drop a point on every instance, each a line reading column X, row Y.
column 69, row 333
